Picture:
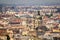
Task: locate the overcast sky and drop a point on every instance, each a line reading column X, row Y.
column 31, row 2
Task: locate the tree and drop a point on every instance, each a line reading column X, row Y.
column 40, row 18
column 8, row 38
column 38, row 12
column 49, row 15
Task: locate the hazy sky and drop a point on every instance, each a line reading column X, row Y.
column 31, row 2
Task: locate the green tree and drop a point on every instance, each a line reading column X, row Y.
column 49, row 15
column 40, row 18
column 8, row 38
